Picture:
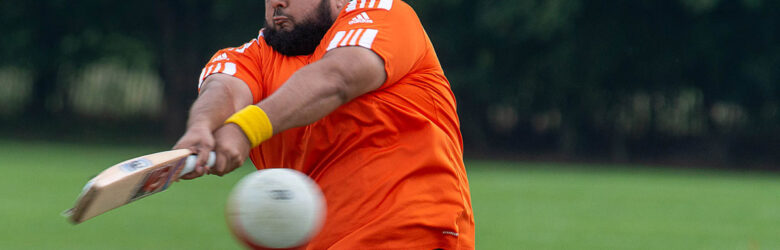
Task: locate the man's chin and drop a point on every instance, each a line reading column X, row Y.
column 292, row 39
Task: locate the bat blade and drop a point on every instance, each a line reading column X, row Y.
column 129, row 181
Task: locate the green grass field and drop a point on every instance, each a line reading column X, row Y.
column 517, row 205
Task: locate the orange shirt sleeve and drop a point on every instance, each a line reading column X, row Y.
column 241, row 62
column 390, row 28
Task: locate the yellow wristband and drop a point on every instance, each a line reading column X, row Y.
column 254, row 122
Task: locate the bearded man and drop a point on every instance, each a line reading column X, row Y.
column 353, row 95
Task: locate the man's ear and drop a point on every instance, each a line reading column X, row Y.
column 340, row 3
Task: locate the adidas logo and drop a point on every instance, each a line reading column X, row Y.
column 361, row 18
column 221, row 57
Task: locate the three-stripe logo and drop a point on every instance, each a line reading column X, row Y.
column 361, row 18
column 356, row 37
column 370, row 4
column 226, row 68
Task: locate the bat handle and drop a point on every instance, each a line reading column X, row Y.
column 189, row 164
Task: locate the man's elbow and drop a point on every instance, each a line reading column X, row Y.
column 338, row 82
column 343, row 92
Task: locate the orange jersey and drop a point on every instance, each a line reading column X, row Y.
column 390, row 161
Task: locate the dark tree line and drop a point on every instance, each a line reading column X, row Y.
column 622, row 80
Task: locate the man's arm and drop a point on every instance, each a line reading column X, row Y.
column 220, row 96
column 310, row 94
column 319, row 88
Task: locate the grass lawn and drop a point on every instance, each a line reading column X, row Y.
column 517, row 205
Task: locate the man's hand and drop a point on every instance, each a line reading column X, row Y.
column 232, row 148
column 220, row 96
column 201, row 142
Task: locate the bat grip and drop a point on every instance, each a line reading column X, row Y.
column 189, row 164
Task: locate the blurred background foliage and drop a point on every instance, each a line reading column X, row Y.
column 687, row 82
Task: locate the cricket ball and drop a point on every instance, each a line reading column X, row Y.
column 276, row 208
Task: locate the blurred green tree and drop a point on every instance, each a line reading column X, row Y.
column 624, row 80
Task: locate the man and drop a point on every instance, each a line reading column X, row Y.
column 352, row 94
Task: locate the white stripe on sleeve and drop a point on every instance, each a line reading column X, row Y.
column 200, row 79
column 385, row 4
column 230, row 68
column 368, row 38
column 336, row 39
column 208, row 72
column 354, row 39
column 346, row 39
column 352, row 5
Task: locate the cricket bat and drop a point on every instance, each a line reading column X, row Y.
column 131, row 180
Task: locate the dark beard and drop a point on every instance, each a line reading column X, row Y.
column 305, row 37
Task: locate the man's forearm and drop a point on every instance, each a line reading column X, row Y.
column 220, row 97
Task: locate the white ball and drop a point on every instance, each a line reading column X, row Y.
column 276, row 208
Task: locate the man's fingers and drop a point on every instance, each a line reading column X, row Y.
column 231, row 148
column 219, row 166
column 203, row 156
column 200, row 141
column 198, row 172
column 212, row 159
column 235, row 162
